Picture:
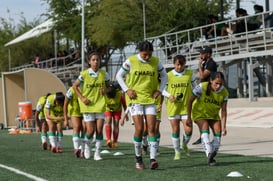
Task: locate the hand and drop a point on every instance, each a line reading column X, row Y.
column 172, row 98
column 156, row 94
column 85, row 100
column 102, row 91
column 224, row 131
column 131, row 93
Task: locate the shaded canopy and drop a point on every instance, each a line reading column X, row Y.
column 34, row 32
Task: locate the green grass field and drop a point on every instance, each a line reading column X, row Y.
column 23, row 152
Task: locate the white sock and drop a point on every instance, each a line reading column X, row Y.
column 43, row 138
column 76, row 142
column 216, row 142
column 186, row 139
column 98, row 146
column 153, row 149
column 206, row 143
column 176, row 144
column 137, row 148
column 52, row 140
column 59, row 142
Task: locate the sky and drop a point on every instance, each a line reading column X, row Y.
column 32, row 9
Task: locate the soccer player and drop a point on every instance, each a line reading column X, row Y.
column 141, row 87
column 55, row 119
column 204, row 105
column 91, row 95
column 40, row 122
column 72, row 109
column 177, row 93
column 114, row 103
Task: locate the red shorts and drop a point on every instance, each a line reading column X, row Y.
column 115, row 115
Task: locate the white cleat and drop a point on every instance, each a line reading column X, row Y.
column 97, row 157
column 87, row 151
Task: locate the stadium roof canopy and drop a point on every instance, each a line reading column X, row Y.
column 34, row 32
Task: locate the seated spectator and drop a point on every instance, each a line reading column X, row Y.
column 238, row 26
column 37, row 61
column 255, row 22
column 209, row 32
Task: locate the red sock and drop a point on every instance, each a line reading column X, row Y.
column 108, row 131
column 115, row 135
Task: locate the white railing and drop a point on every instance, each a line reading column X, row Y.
column 249, row 43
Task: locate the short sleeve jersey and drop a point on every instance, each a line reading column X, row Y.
column 73, row 106
column 208, row 106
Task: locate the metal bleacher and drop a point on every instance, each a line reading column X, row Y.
column 254, row 48
column 253, row 43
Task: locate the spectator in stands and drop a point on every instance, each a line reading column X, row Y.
column 37, row 61
column 255, row 22
column 210, row 31
column 238, row 26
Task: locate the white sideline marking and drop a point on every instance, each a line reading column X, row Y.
column 22, row 173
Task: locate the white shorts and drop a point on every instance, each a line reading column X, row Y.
column 87, row 117
column 179, row 117
column 139, row 109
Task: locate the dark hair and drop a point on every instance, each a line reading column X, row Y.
column 94, row 53
column 213, row 76
column 258, row 7
column 59, row 97
column 110, row 91
column 145, row 46
column 180, row 58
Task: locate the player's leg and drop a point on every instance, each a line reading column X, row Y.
column 175, row 124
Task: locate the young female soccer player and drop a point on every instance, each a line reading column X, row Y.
column 179, row 88
column 40, row 122
column 72, row 110
column 141, row 87
column 92, row 83
column 204, row 105
column 55, row 119
column 114, row 103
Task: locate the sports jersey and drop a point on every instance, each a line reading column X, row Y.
column 40, row 107
column 142, row 78
column 180, row 87
column 208, row 106
column 114, row 104
column 55, row 110
column 73, row 106
column 92, row 82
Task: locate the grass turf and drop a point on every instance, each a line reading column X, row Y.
column 23, row 152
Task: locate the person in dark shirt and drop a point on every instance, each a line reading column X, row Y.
column 206, row 66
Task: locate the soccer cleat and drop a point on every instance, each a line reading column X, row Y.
column 211, row 160
column 153, row 164
column 139, row 163
column 53, row 149
column 44, row 146
column 109, row 143
column 177, row 156
column 87, row 151
column 144, row 150
column 77, row 153
column 59, row 150
column 115, row 145
column 186, row 150
column 197, row 142
column 97, row 157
